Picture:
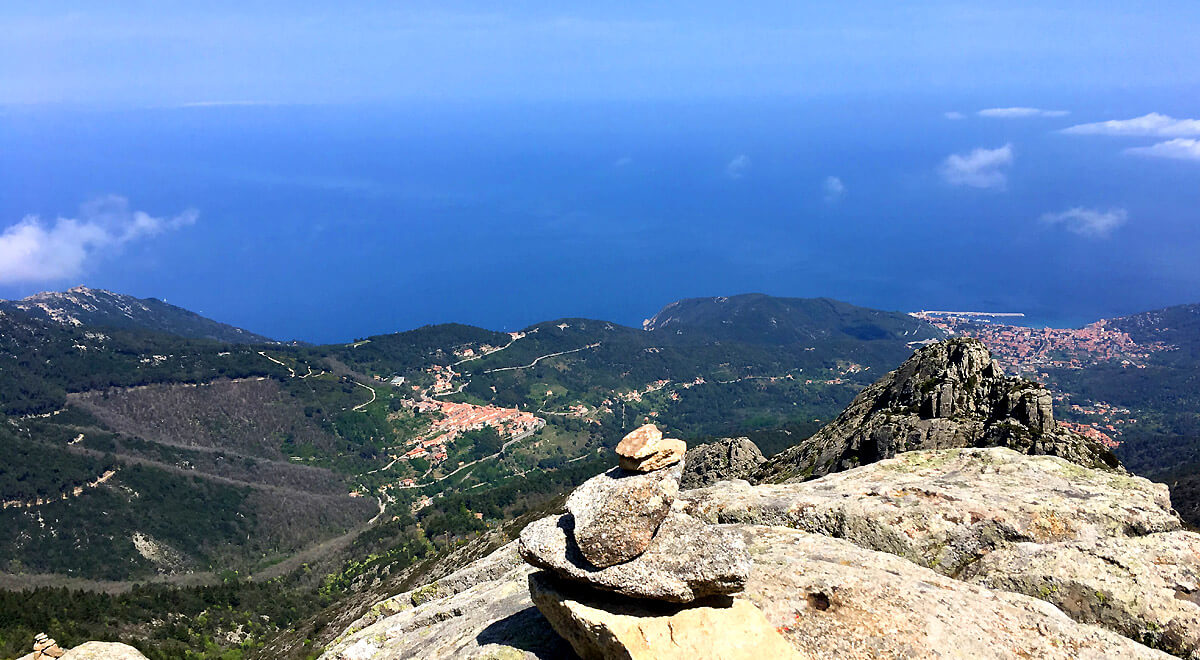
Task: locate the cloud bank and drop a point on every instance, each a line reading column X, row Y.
column 32, row 250
column 1091, row 223
column 1153, row 124
column 738, row 167
column 833, row 188
column 981, row 168
column 1020, row 113
column 1180, row 148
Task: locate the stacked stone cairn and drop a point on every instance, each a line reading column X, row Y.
column 626, row 576
column 44, row 646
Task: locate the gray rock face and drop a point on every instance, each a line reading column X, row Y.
column 617, row 513
column 687, row 560
column 947, row 395
column 832, row 599
column 728, row 458
column 481, row 611
column 1146, row 588
column 1019, row 530
column 946, row 509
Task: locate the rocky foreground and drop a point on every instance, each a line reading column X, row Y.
column 984, row 553
column 950, row 516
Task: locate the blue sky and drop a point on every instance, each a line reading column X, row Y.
column 325, row 172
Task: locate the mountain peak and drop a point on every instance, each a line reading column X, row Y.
column 84, row 306
column 947, row 395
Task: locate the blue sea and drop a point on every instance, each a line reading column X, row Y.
column 327, row 223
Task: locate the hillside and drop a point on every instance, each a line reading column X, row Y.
column 82, row 306
column 757, row 318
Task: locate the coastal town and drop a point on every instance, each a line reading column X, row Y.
column 1028, row 351
column 1032, row 352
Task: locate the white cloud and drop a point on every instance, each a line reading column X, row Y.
column 981, row 168
column 955, row 115
column 1181, row 148
column 833, row 188
column 738, row 167
column 1153, row 124
column 1092, row 223
column 623, row 161
column 1020, row 113
column 35, row 251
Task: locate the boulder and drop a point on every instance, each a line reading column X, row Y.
column 947, row 395
column 640, row 442
column 600, row 626
column 87, row 651
column 946, row 509
column 670, row 451
column 1146, row 588
column 832, row 599
column 686, row 560
column 617, row 513
column 728, row 458
column 644, row 449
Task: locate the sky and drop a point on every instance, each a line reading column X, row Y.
column 328, row 171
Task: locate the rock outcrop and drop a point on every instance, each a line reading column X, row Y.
column 985, row 553
column 1146, row 588
column 944, row 510
column 728, row 458
column 45, row 648
column 947, row 395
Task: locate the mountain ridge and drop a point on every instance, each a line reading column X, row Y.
column 85, row 306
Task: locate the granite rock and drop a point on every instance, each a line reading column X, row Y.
column 618, row 512
column 1146, row 588
column 728, row 458
column 947, row 395
column 600, row 626
column 946, row 509
column 686, row 560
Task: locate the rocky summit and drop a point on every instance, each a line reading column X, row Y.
column 944, row 514
column 979, row 553
column 728, row 458
column 947, row 395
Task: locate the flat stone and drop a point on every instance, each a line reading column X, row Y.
column 640, row 442
column 1146, row 588
column 670, row 451
column 601, row 626
column 686, row 560
column 617, row 512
